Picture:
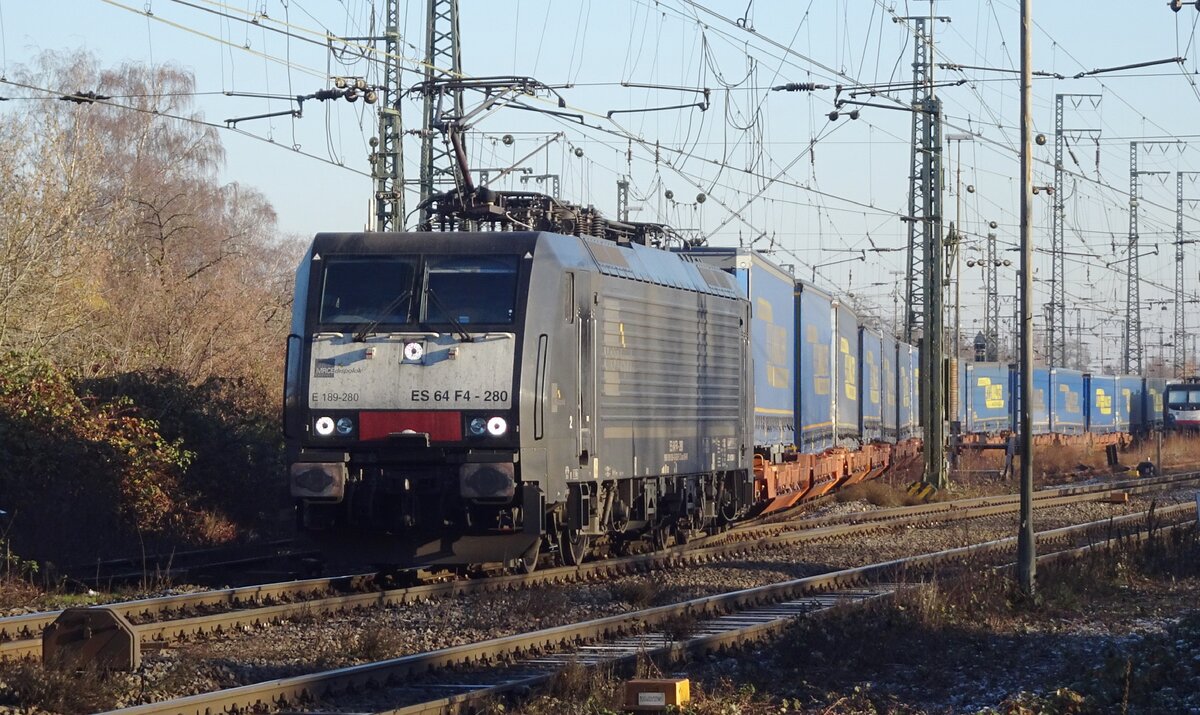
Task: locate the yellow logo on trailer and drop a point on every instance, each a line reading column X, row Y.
column 851, row 365
column 1103, row 401
column 993, row 395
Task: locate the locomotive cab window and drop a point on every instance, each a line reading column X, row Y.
column 1184, row 399
column 470, row 290
column 368, row 290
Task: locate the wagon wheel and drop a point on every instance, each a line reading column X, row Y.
column 528, row 562
column 573, row 546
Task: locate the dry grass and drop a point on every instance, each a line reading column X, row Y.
column 375, row 644
column 17, row 592
column 640, row 593
column 876, row 492
column 888, row 657
column 26, row 684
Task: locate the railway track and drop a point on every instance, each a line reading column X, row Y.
column 438, row 680
column 178, row 618
column 187, row 564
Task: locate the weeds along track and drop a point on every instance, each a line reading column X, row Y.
column 171, row 619
column 441, row 680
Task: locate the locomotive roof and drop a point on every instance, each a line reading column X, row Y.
column 458, row 242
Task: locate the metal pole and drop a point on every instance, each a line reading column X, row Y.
column 1026, row 556
column 933, row 339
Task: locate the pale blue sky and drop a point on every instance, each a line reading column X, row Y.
column 858, row 169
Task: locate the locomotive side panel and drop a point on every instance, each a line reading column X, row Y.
column 562, row 275
column 670, row 381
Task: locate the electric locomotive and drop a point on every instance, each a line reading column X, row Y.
column 467, row 397
column 1182, row 401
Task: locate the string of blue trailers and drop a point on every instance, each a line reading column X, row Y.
column 835, row 400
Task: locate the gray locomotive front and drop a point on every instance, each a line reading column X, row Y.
column 468, row 398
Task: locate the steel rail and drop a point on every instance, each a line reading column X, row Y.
column 182, row 629
column 328, row 684
column 974, row 507
column 1131, row 485
column 475, row 695
column 23, row 631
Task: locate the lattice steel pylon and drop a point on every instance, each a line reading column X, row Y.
column 1057, row 324
column 443, row 59
column 925, row 169
column 1133, row 282
column 388, row 168
column 991, row 318
column 1133, row 298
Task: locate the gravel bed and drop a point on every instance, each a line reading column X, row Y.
column 317, row 642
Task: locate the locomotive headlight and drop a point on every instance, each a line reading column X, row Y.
column 324, row 426
column 344, row 426
column 497, row 426
column 413, row 352
column 477, row 427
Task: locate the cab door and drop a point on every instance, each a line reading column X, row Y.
column 585, row 328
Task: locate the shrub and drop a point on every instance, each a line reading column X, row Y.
column 93, row 467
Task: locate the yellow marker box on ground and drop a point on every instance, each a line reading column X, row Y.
column 646, row 695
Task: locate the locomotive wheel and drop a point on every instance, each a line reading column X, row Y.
column 528, row 562
column 661, row 537
column 573, row 546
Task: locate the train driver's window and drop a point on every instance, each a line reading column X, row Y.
column 470, row 289
column 374, row 290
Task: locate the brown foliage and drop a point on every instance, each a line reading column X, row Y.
column 120, row 248
column 124, row 256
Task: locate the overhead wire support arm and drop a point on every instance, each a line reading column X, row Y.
column 702, row 105
column 349, row 93
column 1134, row 66
column 294, row 113
column 954, row 66
column 875, row 91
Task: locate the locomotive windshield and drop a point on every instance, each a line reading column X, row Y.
column 1183, row 399
column 455, row 290
column 368, row 290
column 470, row 289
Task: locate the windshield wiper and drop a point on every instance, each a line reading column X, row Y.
column 361, row 335
column 458, row 328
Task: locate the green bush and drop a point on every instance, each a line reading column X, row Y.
column 91, row 468
column 231, row 426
